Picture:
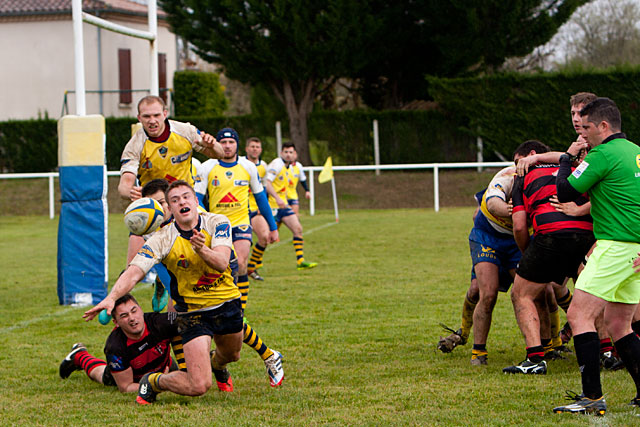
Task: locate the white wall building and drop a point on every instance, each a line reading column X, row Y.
column 36, row 39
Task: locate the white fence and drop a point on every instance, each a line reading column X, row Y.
column 308, row 170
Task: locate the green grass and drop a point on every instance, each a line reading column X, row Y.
column 358, row 334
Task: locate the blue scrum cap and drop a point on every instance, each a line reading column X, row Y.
column 227, row 133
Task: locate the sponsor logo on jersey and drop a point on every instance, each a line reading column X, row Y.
column 281, row 178
column 115, row 363
column 583, row 166
column 183, row 262
column 215, row 182
column 142, row 347
column 229, row 198
column 146, row 164
column 243, row 228
column 229, row 175
column 170, row 178
column 146, row 252
column 180, row 158
column 240, row 183
column 487, row 250
column 163, row 151
column 638, row 160
column 223, row 231
column 159, row 349
column 207, row 282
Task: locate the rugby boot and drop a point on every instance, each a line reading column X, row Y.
column 448, row 343
column 527, row 367
column 146, row 395
column 274, row 368
column 67, row 366
column 582, row 405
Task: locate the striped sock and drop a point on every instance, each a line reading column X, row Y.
column 255, row 260
column 87, row 361
column 176, row 344
column 154, row 380
column 243, row 286
column 298, row 246
column 565, row 301
column 535, row 354
column 253, row 340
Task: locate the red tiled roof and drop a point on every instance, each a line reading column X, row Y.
column 29, row 7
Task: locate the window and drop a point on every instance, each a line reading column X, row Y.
column 124, row 75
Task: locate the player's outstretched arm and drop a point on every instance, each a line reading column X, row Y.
column 127, row 188
column 123, row 285
column 211, row 147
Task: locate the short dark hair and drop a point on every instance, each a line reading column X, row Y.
column 122, row 300
column 153, row 186
column 253, row 139
column 603, row 110
column 150, row 99
column 289, row 145
column 582, row 98
column 526, row 147
column 177, row 183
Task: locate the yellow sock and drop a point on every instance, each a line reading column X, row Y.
column 252, row 339
column 554, row 319
column 178, row 352
column 467, row 317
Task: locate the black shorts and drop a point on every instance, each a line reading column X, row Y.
column 226, row 319
column 553, row 257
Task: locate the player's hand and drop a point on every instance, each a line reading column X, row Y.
column 524, row 163
column 281, row 204
column 510, row 206
column 568, row 208
column 197, row 240
column 636, row 264
column 135, row 193
column 307, row 195
column 207, row 139
column 579, row 144
column 273, row 236
column 106, row 303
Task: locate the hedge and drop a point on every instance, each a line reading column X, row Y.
column 198, row 93
column 505, row 110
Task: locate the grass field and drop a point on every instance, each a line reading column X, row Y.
column 358, row 334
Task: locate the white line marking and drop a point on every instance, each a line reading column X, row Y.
column 320, row 227
column 56, row 313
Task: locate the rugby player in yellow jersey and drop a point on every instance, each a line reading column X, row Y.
column 296, row 174
column 224, row 189
column 253, row 148
column 198, row 252
column 276, row 183
column 161, row 149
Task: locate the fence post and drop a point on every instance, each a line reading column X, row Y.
column 312, row 200
column 278, row 138
column 376, row 146
column 51, row 198
column 479, row 157
column 436, row 190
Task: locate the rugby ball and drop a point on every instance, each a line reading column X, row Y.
column 143, row 216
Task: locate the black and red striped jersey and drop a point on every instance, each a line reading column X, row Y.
column 151, row 353
column 532, row 194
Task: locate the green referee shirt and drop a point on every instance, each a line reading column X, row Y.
column 611, row 175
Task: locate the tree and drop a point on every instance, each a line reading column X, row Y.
column 297, row 47
column 452, row 39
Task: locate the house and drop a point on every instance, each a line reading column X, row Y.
column 37, row 72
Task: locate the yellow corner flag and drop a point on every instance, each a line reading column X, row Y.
column 326, row 174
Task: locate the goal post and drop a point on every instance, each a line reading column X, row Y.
column 83, row 224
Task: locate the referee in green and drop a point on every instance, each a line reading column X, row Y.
column 610, row 173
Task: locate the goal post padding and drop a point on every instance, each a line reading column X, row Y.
column 82, row 230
